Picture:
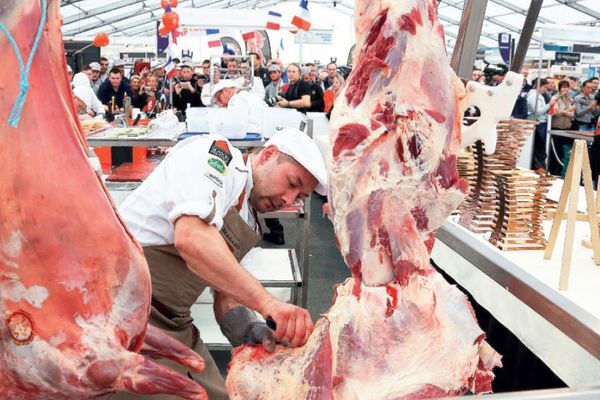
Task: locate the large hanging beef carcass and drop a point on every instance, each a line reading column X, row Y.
column 397, row 329
column 74, row 286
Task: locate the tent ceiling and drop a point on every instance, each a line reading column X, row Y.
column 137, row 17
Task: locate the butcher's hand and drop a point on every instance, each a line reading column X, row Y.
column 294, row 324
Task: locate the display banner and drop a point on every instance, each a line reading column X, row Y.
column 567, row 57
column 314, row 36
column 505, row 45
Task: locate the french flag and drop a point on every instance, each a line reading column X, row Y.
column 274, row 21
column 170, row 68
column 214, row 39
column 248, row 35
column 302, row 17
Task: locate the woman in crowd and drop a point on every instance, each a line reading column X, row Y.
column 331, row 93
column 564, row 109
column 138, row 100
column 562, row 114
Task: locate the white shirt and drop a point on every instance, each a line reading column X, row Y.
column 205, row 96
column 251, row 105
column 258, row 88
column 537, row 111
column 194, row 179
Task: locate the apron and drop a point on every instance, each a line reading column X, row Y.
column 175, row 288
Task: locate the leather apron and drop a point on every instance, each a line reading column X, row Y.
column 175, row 288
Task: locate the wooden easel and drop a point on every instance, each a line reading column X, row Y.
column 578, row 164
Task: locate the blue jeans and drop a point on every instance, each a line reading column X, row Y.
column 587, row 127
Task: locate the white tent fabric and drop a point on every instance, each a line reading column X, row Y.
column 132, row 18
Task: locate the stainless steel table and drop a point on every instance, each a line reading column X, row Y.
column 553, row 324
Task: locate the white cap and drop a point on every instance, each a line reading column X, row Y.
column 85, row 94
column 303, row 149
column 81, row 79
column 118, row 62
column 95, row 66
column 155, row 65
column 224, row 83
column 186, row 64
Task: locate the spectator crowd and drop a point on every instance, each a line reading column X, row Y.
column 148, row 88
column 558, row 104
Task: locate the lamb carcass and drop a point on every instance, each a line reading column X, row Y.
column 397, row 329
column 74, row 285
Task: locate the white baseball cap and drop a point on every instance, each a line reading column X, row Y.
column 303, row 149
column 223, row 83
column 156, row 64
column 118, row 62
column 95, row 66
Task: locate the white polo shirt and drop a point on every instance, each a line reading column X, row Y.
column 248, row 103
column 202, row 176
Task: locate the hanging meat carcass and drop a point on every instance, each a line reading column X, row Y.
column 74, row 286
column 397, row 329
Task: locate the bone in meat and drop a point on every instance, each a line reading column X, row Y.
column 74, row 285
column 397, row 329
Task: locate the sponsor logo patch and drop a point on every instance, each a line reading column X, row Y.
column 219, row 148
column 215, row 179
column 217, row 165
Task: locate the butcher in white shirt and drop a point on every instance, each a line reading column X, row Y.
column 195, row 217
column 227, row 93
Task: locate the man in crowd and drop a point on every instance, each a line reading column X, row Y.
column 95, row 78
column 244, row 80
column 260, row 70
column 574, row 90
column 316, row 91
column 313, row 75
column 206, row 95
column 331, row 73
column 298, row 92
column 179, row 214
column 87, row 71
column 538, row 110
column 120, row 65
column 586, row 107
column 113, row 90
column 232, row 70
column 206, row 70
column 185, row 91
column 273, row 89
column 521, row 108
column 476, row 74
column 103, row 69
column 228, row 94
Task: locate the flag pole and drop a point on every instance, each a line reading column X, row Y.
column 301, row 47
column 170, row 55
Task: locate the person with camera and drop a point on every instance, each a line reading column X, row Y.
column 298, row 92
column 273, row 89
column 185, row 91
